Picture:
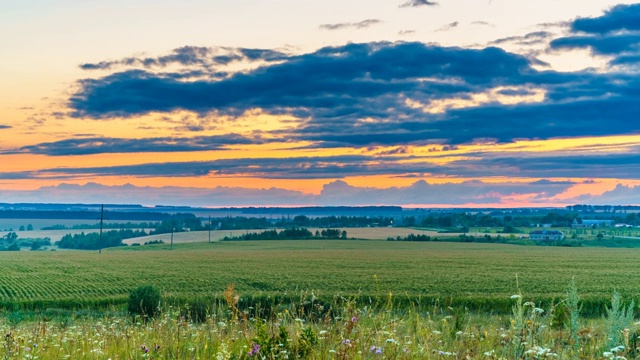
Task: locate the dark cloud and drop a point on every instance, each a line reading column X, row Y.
column 603, row 45
column 366, row 95
column 100, row 145
column 192, row 56
column 329, row 84
column 5, row 127
column 616, row 33
column 271, row 168
column 532, row 38
column 618, row 18
column 418, row 3
column 357, row 25
column 580, row 165
column 449, row 26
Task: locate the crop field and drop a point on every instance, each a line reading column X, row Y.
column 351, row 268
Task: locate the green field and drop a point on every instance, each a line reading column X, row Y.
column 362, row 268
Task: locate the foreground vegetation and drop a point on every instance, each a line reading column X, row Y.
column 342, row 328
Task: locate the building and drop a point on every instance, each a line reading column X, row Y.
column 546, row 235
column 587, row 224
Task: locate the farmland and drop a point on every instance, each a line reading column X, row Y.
column 363, row 268
column 320, row 299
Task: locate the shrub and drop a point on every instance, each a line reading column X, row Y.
column 197, row 310
column 144, row 301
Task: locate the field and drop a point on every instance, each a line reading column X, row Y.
column 333, row 299
column 356, row 233
column 466, row 272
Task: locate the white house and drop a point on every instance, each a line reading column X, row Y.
column 546, row 235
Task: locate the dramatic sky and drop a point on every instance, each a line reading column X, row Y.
column 339, row 102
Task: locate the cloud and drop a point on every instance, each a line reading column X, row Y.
column 449, row 26
column 481, row 23
column 616, row 34
column 94, row 193
column 101, row 145
column 618, row 18
column 358, row 25
column 418, row 3
column 328, row 82
column 192, row 56
column 333, row 193
column 602, row 45
column 620, row 195
column 388, row 93
column 406, row 32
column 5, row 126
column 321, row 167
column 532, row 38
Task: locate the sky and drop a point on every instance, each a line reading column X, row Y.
column 418, row 103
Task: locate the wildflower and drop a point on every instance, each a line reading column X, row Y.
column 255, row 349
column 346, row 342
column 354, row 319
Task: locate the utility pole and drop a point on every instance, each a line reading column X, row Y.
column 172, row 227
column 101, row 221
column 209, row 228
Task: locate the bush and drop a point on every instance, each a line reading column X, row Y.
column 144, row 301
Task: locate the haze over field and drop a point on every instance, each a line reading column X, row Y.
column 236, row 103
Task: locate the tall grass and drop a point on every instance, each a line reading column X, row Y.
column 306, row 327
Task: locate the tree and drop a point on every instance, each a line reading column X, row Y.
column 11, row 236
column 29, row 227
column 21, row 228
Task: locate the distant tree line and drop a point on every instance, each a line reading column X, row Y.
column 92, row 241
column 11, row 242
column 83, row 215
column 106, row 225
column 486, row 239
column 290, row 234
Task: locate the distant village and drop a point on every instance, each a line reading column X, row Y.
column 556, row 235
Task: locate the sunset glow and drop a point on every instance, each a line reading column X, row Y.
column 229, row 103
